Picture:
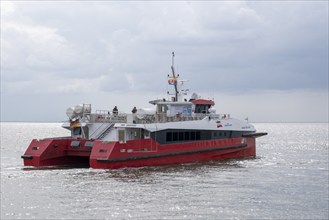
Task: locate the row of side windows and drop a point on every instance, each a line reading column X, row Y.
column 219, row 134
column 172, row 136
column 183, row 136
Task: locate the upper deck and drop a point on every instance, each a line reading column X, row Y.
column 104, row 116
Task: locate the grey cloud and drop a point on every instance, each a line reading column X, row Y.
column 88, row 48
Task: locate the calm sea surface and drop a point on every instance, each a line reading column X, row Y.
column 287, row 180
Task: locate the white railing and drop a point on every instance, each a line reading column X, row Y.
column 163, row 118
column 104, row 116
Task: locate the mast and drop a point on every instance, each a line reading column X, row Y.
column 174, row 76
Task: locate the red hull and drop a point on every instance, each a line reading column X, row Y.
column 110, row 155
column 137, row 153
column 52, row 152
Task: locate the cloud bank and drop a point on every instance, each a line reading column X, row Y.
column 58, row 54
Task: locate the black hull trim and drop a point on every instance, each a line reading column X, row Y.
column 255, row 134
column 172, row 154
column 25, row 157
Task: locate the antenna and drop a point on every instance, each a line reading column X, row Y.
column 173, row 74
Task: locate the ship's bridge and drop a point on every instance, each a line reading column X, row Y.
column 186, row 108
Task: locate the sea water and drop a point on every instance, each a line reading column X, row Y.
column 287, row 180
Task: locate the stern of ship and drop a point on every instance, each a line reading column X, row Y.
column 57, row 151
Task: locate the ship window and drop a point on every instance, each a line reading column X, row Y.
column 202, row 108
column 147, row 134
column 175, row 136
column 77, row 131
column 169, row 136
column 224, row 133
column 184, row 136
column 89, row 144
column 75, row 144
column 198, row 135
column 181, row 136
column 193, row 135
column 187, row 136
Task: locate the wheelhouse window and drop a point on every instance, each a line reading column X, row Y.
column 202, row 108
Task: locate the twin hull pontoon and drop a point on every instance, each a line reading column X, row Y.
column 176, row 131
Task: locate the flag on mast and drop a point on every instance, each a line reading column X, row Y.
column 172, row 81
column 75, row 124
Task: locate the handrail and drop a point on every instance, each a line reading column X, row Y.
column 107, row 116
column 105, row 131
column 163, row 118
column 109, row 125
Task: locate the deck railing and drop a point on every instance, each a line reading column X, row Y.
column 105, row 116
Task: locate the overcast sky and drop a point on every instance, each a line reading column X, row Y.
column 267, row 60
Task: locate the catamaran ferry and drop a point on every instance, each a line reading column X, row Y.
column 176, row 130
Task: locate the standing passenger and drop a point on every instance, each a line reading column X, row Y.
column 115, row 110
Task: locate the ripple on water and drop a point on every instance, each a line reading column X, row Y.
column 287, row 180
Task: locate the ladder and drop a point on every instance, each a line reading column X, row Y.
column 105, row 131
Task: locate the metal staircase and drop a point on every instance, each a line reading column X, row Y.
column 105, row 131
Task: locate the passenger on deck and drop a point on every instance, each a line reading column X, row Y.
column 134, row 110
column 115, row 110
